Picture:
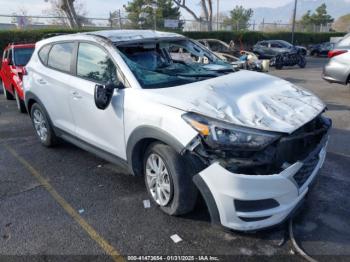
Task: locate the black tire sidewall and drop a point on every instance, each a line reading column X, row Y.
column 20, row 104
column 184, row 193
column 51, row 138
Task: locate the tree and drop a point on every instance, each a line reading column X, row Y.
column 21, row 18
column 115, row 19
column 68, row 9
column 306, row 21
column 141, row 12
column 342, row 24
column 207, row 11
column 239, row 18
column 321, row 16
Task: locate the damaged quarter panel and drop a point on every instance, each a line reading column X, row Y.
column 247, row 99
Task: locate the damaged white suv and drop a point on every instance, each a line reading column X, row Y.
column 251, row 144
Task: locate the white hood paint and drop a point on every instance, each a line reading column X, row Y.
column 247, row 99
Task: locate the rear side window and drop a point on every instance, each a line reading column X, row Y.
column 44, row 54
column 60, row 56
column 10, row 56
column 345, row 42
column 94, row 64
column 4, row 55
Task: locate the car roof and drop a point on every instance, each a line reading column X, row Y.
column 13, row 45
column 115, row 36
column 131, row 35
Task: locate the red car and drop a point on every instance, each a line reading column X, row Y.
column 15, row 57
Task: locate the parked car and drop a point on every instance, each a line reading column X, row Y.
column 239, row 59
column 321, row 49
column 15, row 57
column 270, row 48
column 337, row 69
column 173, row 112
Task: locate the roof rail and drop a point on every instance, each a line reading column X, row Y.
column 52, row 35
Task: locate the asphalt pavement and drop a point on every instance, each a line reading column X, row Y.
column 64, row 203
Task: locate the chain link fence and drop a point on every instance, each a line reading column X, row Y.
column 120, row 20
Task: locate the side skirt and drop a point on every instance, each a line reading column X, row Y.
column 92, row 149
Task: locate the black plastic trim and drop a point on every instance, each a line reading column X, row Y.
column 90, row 148
column 255, row 205
column 208, row 198
column 148, row 132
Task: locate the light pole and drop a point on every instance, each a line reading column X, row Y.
column 217, row 14
column 294, row 18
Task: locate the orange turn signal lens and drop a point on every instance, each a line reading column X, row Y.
column 201, row 128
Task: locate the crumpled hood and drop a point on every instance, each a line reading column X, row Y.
column 247, row 99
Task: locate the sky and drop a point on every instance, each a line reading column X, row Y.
column 101, row 9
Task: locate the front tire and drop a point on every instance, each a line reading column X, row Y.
column 42, row 126
column 168, row 181
column 20, row 103
column 7, row 94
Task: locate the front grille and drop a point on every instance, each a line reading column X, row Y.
column 306, row 170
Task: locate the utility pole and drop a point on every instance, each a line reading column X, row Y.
column 217, row 14
column 294, row 18
column 154, row 5
column 120, row 19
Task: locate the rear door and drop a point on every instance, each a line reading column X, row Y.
column 101, row 128
column 51, row 82
column 7, row 69
column 4, row 67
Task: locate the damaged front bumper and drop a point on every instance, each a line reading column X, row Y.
column 251, row 202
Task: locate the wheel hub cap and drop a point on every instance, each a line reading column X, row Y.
column 158, row 179
column 40, row 125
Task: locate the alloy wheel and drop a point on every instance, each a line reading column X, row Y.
column 40, row 125
column 158, row 179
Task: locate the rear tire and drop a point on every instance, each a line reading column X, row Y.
column 302, row 62
column 20, row 103
column 42, row 126
column 180, row 193
column 7, row 94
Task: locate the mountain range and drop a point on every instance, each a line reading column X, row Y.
column 283, row 14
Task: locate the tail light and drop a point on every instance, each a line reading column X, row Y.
column 334, row 53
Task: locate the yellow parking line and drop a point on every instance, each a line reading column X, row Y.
column 108, row 248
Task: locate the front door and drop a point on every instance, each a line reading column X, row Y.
column 101, row 128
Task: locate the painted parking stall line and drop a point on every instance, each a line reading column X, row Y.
column 93, row 234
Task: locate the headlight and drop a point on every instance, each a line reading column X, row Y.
column 223, row 135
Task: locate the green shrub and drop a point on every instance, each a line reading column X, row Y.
column 248, row 38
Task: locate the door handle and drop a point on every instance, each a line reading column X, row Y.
column 76, row 95
column 42, row 81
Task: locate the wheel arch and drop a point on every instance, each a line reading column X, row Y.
column 30, row 100
column 140, row 139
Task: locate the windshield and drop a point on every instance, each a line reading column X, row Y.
column 160, row 64
column 22, row 56
column 285, row 43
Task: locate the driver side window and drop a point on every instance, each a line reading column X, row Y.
column 94, row 64
column 276, row 45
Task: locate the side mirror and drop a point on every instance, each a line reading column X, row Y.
column 104, row 93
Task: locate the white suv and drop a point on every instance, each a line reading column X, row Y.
column 165, row 105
